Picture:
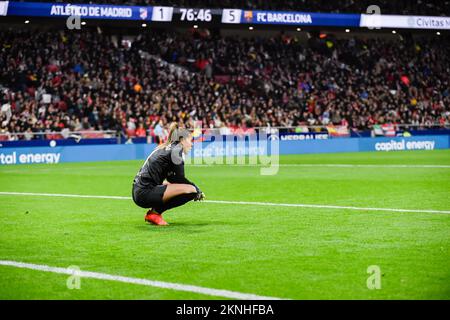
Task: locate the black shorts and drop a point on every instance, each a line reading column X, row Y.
column 150, row 197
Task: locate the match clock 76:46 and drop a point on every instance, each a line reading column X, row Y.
column 195, row 14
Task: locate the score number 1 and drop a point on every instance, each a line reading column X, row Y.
column 162, row 14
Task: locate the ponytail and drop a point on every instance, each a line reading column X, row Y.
column 173, row 133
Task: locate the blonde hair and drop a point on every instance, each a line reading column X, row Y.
column 173, row 128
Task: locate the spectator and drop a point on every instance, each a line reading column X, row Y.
column 251, row 82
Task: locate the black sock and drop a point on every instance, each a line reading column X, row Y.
column 176, row 201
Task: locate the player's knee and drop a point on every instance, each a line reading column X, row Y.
column 190, row 189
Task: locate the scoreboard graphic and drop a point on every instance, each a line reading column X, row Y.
column 218, row 17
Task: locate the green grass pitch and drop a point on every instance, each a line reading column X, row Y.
column 285, row 252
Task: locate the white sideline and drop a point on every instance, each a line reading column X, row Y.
column 144, row 282
column 299, row 205
column 335, row 165
column 365, row 165
column 320, row 206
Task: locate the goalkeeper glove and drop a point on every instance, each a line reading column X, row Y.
column 200, row 196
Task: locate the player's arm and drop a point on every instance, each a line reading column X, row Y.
column 177, row 175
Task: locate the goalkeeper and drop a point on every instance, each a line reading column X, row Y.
column 166, row 162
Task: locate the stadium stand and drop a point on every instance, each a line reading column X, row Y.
column 58, row 80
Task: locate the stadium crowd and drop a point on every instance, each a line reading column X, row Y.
column 55, row 81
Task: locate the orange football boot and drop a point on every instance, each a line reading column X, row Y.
column 155, row 218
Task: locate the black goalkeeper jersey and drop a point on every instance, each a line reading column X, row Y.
column 163, row 163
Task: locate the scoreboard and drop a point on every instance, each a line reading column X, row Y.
column 164, row 14
column 213, row 16
column 218, row 17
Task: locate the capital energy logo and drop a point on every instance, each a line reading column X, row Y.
column 27, row 158
column 399, row 145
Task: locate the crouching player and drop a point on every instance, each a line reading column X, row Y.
column 166, row 162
